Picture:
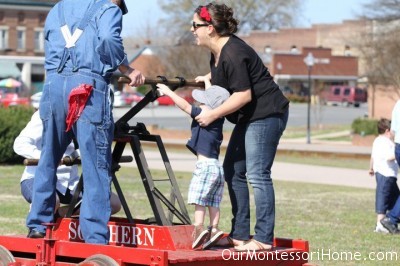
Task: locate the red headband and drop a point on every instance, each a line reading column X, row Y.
column 204, row 14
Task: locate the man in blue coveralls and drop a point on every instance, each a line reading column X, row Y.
column 83, row 47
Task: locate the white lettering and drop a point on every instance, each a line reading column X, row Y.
column 138, row 233
column 125, row 237
column 149, row 236
column 113, row 233
column 120, row 234
column 72, row 231
column 228, row 252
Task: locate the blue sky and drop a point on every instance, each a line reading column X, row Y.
column 314, row 11
column 331, row 11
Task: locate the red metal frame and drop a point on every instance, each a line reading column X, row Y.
column 140, row 244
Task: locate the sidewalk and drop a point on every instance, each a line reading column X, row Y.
column 185, row 161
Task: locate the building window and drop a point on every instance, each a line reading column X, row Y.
column 3, row 38
column 21, row 17
column 21, row 41
column 39, row 40
column 42, row 18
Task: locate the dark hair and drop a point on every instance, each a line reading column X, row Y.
column 221, row 18
column 383, row 125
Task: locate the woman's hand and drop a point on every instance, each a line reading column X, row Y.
column 206, row 117
column 206, row 79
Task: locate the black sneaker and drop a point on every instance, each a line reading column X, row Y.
column 391, row 227
column 35, row 234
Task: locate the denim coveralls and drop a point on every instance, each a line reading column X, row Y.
column 97, row 53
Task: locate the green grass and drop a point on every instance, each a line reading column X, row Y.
column 301, row 131
column 332, row 218
column 328, row 160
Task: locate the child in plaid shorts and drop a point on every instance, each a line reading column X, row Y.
column 207, row 184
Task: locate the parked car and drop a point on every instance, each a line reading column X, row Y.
column 123, row 99
column 346, row 95
column 12, row 99
column 165, row 100
column 119, row 99
column 133, row 98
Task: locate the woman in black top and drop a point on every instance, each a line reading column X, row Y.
column 260, row 112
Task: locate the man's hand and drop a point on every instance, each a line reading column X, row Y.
column 135, row 76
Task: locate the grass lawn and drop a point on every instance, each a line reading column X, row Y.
column 334, row 219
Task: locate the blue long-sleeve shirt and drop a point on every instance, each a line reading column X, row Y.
column 99, row 49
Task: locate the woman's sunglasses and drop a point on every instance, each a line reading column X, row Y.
column 195, row 25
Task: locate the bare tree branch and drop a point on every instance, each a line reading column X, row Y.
column 252, row 14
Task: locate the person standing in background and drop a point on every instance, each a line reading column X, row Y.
column 384, row 166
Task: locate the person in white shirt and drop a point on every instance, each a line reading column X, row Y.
column 384, row 165
column 28, row 145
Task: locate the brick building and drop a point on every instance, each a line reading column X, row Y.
column 22, row 40
column 284, row 50
column 341, row 38
column 333, row 47
column 291, row 71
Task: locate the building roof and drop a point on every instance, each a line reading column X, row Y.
column 44, row 3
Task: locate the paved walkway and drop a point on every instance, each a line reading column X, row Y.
column 185, row 161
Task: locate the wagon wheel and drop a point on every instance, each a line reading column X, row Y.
column 5, row 256
column 99, row 260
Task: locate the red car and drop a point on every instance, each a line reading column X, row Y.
column 165, row 100
column 133, row 98
column 12, row 99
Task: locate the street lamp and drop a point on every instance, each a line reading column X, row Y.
column 309, row 60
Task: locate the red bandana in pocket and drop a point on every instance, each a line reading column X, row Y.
column 77, row 100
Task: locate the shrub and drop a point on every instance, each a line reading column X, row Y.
column 363, row 126
column 12, row 121
column 296, row 98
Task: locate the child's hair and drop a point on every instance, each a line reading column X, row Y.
column 383, row 125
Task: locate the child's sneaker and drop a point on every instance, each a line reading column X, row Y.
column 380, row 229
column 199, row 236
column 215, row 235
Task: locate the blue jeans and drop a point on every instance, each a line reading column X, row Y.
column 394, row 214
column 94, row 133
column 386, row 194
column 397, row 153
column 27, row 191
column 249, row 158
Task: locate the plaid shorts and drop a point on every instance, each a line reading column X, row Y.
column 207, row 184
